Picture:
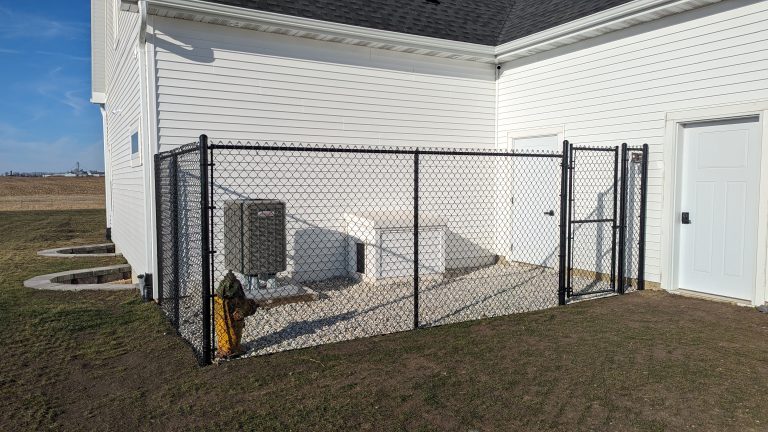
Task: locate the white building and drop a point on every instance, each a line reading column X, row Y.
column 688, row 77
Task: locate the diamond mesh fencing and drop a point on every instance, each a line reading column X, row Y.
column 344, row 211
column 181, row 293
column 271, row 247
column 636, row 177
column 489, row 234
column 592, row 219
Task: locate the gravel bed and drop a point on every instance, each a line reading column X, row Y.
column 348, row 310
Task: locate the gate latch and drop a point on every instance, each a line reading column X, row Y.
column 550, row 213
column 686, row 218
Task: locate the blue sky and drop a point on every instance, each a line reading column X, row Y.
column 46, row 120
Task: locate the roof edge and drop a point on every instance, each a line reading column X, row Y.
column 615, row 18
column 618, row 16
column 327, row 28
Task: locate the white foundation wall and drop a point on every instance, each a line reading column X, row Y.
column 122, row 116
column 619, row 87
column 245, row 86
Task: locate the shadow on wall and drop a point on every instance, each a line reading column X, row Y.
column 199, row 42
column 319, row 253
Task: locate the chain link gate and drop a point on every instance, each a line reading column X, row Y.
column 605, row 221
column 387, row 239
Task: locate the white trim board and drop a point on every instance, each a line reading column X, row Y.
column 670, row 241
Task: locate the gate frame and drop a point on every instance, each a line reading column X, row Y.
column 614, row 220
column 618, row 275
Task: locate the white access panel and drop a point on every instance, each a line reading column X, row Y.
column 388, row 241
column 719, row 190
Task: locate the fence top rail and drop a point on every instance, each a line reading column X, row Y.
column 605, row 149
column 184, row 149
column 378, row 150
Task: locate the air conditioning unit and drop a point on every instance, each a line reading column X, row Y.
column 254, row 236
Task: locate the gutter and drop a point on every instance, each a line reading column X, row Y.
column 326, row 28
column 621, row 16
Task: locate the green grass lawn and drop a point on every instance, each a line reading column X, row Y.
column 106, row 361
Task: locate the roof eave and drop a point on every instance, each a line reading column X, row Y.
column 609, row 20
column 235, row 16
column 616, row 18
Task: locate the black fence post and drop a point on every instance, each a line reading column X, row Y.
column 416, row 239
column 174, row 202
column 643, row 208
column 158, row 228
column 212, row 241
column 206, row 256
column 563, row 222
column 623, row 221
column 569, row 218
column 615, row 215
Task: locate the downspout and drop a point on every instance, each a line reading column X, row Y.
column 497, row 72
column 147, row 148
column 107, row 171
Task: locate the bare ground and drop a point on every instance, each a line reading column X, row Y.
column 105, row 361
column 51, row 193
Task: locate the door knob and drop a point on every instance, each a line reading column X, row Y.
column 686, row 218
column 550, row 213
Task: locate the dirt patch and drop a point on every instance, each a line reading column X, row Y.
column 106, row 361
column 51, row 193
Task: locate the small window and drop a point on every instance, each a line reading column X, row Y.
column 135, row 147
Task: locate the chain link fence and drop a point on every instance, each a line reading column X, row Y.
column 635, row 190
column 338, row 243
column 180, row 220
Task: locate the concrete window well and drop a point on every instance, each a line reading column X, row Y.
column 96, row 250
column 116, row 277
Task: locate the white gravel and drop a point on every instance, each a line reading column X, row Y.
column 348, row 310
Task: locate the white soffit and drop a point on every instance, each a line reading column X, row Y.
column 613, row 19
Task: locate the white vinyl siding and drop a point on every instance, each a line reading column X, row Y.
column 244, row 85
column 618, row 87
column 123, row 112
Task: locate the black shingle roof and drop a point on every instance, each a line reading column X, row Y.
column 486, row 22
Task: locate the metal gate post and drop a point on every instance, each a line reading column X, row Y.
column 569, row 222
column 561, row 289
column 615, row 212
column 622, row 221
column 174, row 201
column 206, row 256
column 643, row 206
column 416, row 239
column 158, row 229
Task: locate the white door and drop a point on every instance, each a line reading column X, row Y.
column 535, row 202
column 720, row 179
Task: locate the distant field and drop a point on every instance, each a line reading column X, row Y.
column 51, row 193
